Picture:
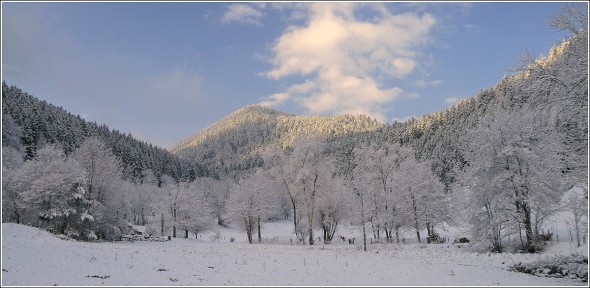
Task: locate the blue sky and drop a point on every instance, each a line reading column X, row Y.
column 163, row 71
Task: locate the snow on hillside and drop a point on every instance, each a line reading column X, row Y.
column 34, row 257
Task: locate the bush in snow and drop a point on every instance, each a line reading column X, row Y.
column 573, row 266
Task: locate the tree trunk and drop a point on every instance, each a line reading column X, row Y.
column 310, row 231
column 16, row 216
column 374, row 228
column 259, row 235
column 577, row 226
column 528, row 228
column 295, row 221
column 142, row 216
column 294, row 204
column 161, row 224
column 174, row 226
column 363, row 222
column 332, row 230
column 416, row 224
column 364, row 237
column 186, row 233
column 64, row 226
column 324, row 226
column 520, row 235
column 248, row 229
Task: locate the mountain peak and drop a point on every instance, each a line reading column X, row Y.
column 257, row 109
column 250, row 113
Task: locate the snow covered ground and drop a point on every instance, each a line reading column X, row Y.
column 34, row 257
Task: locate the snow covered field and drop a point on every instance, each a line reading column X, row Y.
column 34, row 257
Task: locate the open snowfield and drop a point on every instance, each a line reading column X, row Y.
column 34, row 257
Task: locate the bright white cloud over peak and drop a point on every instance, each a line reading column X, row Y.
column 242, row 13
column 346, row 56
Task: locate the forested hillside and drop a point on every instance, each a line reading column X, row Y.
column 236, row 143
column 553, row 90
column 29, row 123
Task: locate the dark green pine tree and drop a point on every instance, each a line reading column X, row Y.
column 30, row 138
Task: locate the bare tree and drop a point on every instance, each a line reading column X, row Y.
column 572, row 17
column 284, row 170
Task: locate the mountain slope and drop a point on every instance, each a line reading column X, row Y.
column 29, row 123
column 553, row 88
column 235, row 142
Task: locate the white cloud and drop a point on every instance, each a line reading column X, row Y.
column 291, row 10
column 347, row 57
column 424, row 83
column 275, row 99
column 242, row 13
column 298, row 89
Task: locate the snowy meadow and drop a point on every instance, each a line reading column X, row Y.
column 34, row 257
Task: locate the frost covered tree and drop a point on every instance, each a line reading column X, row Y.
column 575, row 201
column 103, row 181
column 314, row 172
column 51, row 187
column 556, row 87
column 332, row 207
column 215, row 193
column 142, row 196
column 301, row 171
column 515, row 162
column 359, row 198
column 487, row 213
column 192, row 211
column 380, row 162
column 161, row 204
column 102, row 168
column 12, row 160
column 204, row 203
column 175, row 204
column 251, row 202
column 283, row 168
column 421, row 202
